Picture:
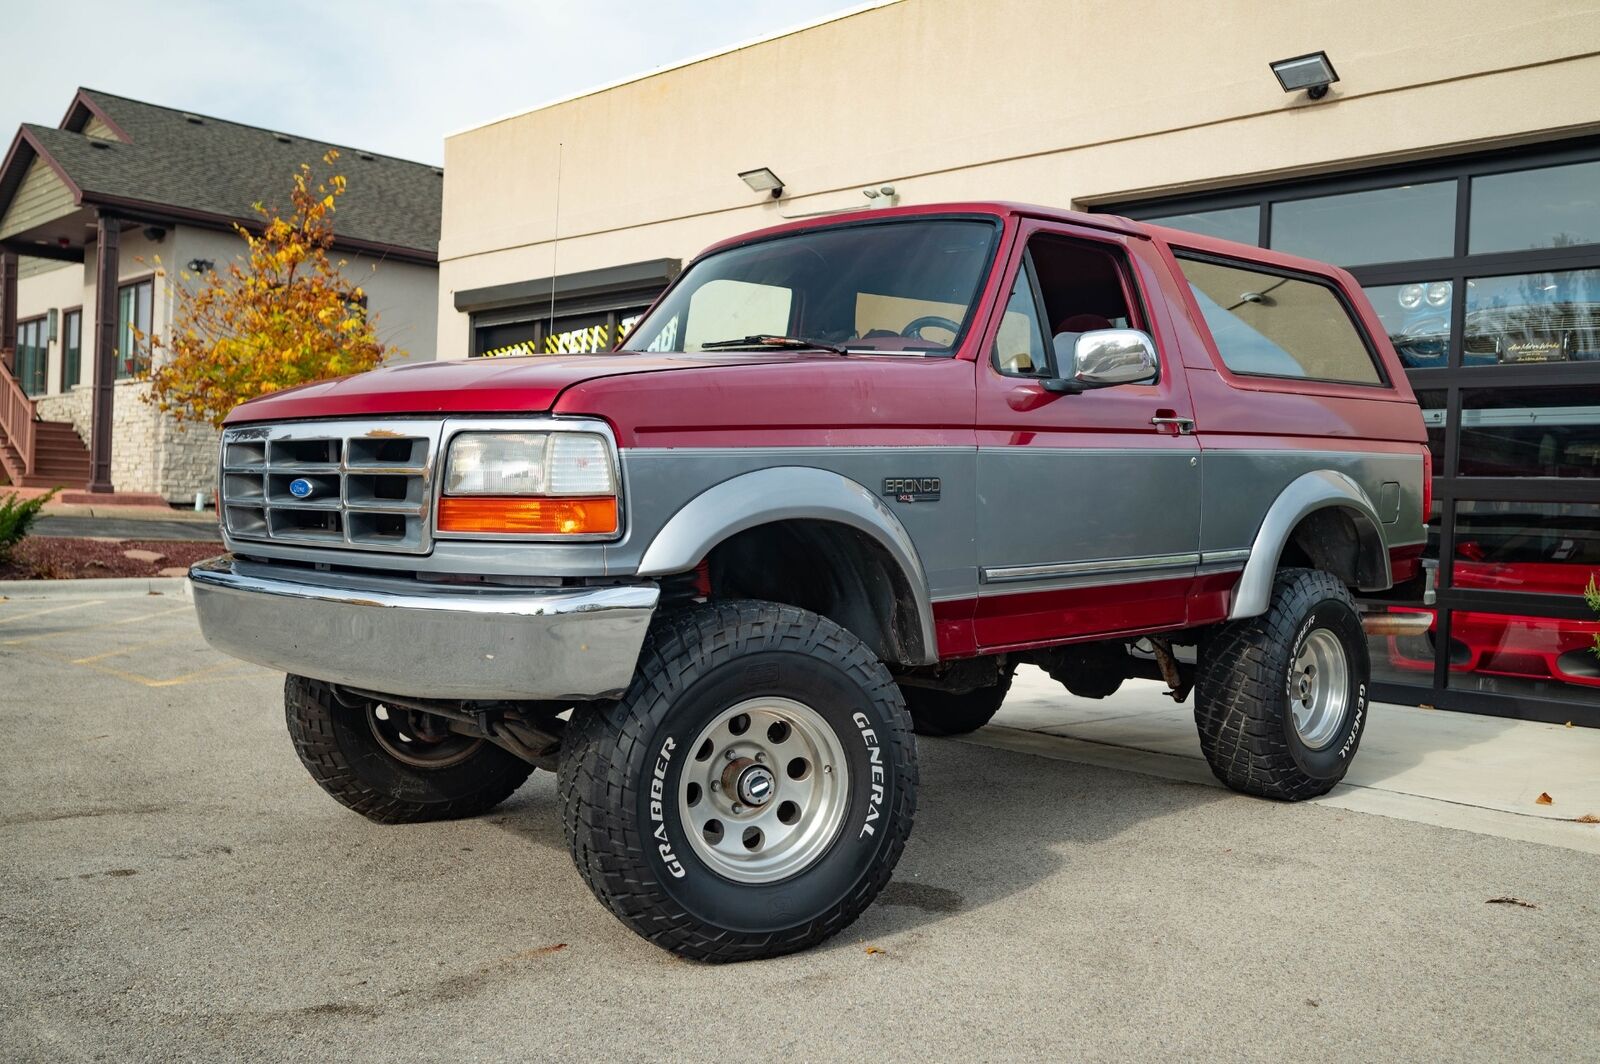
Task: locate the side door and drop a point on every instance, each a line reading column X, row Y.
column 1089, row 503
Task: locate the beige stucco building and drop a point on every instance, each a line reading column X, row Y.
column 1034, row 100
column 1453, row 166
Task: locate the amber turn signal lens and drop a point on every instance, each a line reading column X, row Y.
column 518, row 514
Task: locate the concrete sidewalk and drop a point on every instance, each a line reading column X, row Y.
column 1457, row 770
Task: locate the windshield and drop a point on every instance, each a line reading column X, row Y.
column 902, row 286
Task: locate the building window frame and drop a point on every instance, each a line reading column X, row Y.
column 133, row 365
column 33, row 377
column 71, row 368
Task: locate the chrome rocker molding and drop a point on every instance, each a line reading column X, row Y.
column 1305, row 495
column 789, row 493
column 1103, row 567
column 556, row 644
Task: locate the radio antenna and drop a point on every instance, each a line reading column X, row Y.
column 555, row 242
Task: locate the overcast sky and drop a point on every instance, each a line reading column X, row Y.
column 390, row 76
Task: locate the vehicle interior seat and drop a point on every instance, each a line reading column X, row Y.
column 1068, row 330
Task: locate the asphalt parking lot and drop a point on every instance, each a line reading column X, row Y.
column 174, row 887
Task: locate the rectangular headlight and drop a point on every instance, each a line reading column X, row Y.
column 529, row 463
column 541, row 483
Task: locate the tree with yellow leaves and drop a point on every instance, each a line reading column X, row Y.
column 283, row 316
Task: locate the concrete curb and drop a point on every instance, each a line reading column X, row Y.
column 135, row 585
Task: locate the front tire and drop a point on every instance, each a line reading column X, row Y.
column 391, row 766
column 751, row 792
column 1281, row 699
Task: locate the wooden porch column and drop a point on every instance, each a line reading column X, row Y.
column 8, row 309
column 108, row 232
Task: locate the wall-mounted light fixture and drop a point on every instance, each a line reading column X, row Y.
column 200, row 266
column 1311, row 74
column 763, row 180
column 884, row 196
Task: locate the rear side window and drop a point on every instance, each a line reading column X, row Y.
column 1272, row 325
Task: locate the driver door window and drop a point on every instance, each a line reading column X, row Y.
column 1064, row 289
column 1082, row 288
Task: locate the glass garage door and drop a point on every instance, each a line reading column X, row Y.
column 1486, row 272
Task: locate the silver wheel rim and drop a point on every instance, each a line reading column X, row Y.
column 1319, row 689
column 764, row 790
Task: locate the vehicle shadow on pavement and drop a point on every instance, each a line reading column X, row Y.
column 994, row 823
column 1457, row 757
column 990, row 824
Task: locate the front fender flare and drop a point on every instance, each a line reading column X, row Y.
column 789, row 493
column 1306, row 494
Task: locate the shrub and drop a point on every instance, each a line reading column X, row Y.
column 16, row 514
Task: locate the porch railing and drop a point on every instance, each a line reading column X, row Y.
column 16, row 414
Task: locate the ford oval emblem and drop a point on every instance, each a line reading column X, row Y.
column 300, row 488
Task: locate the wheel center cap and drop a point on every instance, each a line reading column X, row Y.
column 756, row 785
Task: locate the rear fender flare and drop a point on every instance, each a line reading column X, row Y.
column 1306, row 494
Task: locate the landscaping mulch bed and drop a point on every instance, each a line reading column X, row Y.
column 61, row 558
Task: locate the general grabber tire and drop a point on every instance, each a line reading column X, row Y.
column 941, row 713
column 1281, row 699
column 363, row 757
column 701, row 846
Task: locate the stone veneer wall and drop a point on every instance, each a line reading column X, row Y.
column 150, row 451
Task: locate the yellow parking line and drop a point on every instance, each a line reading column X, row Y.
column 199, row 674
column 91, row 627
column 92, row 658
column 52, row 609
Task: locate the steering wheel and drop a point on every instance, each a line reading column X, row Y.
column 913, row 329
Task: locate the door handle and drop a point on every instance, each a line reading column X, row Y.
column 1184, row 425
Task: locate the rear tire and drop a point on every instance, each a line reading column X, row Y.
column 360, row 756
column 1281, row 699
column 751, row 792
column 945, row 713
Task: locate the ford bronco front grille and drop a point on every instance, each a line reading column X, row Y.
column 356, row 485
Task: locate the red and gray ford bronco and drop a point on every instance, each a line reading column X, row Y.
column 834, row 487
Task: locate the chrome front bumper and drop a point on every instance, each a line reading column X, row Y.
column 555, row 644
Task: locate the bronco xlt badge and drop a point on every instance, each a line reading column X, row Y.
column 912, row 489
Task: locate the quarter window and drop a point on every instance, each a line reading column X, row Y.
column 1272, row 325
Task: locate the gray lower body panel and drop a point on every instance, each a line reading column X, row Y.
column 545, row 644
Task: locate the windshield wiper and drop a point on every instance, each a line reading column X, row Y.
column 788, row 342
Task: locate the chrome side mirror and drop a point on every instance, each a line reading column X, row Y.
column 1106, row 357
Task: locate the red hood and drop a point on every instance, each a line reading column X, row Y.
column 472, row 386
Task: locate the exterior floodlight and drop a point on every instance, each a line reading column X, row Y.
column 763, row 180
column 1312, row 73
